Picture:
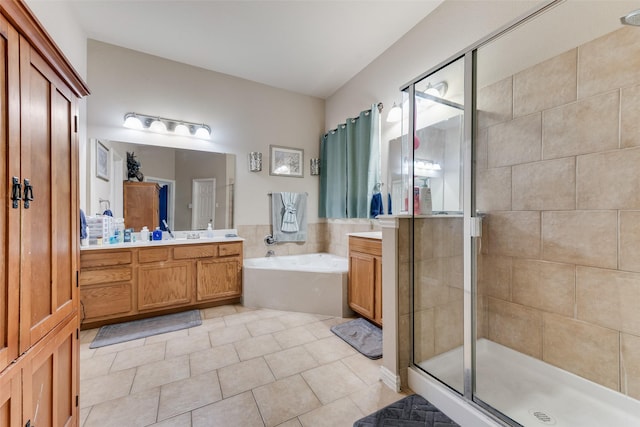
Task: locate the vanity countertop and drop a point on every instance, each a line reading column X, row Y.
column 164, row 242
column 368, row 234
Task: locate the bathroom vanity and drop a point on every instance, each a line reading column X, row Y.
column 365, row 275
column 134, row 280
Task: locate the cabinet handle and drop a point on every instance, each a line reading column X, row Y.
column 28, row 193
column 16, row 192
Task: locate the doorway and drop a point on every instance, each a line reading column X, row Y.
column 203, row 197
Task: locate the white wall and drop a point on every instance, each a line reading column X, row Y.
column 244, row 116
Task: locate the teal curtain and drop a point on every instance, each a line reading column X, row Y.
column 350, row 172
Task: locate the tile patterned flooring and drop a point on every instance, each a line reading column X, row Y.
column 241, row 367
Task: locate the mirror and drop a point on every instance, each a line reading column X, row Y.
column 180, row 172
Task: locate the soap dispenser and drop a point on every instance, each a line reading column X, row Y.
column 425, row 198
column 144, row 234
column 209, row 231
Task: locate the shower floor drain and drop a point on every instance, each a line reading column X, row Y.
column 542, row 417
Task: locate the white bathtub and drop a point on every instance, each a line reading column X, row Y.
column 310, row 283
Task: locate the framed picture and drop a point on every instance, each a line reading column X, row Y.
column 102, row 161
column 284, row 161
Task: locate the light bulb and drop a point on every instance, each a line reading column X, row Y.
column 158, row 126
column 395, row 114
column 202, row 132
column 132, row 122
column 182, row 129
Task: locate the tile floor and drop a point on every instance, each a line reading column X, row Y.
column 241, row 367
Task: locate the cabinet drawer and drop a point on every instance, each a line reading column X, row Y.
column 106, row 300
column 230, row 249
column 102, row 259
column 153, row 255
column 107, row 275
column 367, row 246
column 195, row 251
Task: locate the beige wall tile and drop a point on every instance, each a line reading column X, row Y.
column 449, row 331
column 493, row 189
column 447, row 237
column 609, row 180
column 630, row 117
column 545, row 85
column 515, row 326
column 481, row 149
column 609, row 298
column 429, row 288
column 424, row 333
column 582, row 348
column 494, row 277
column 581, row 237
column 629, row 241
column 609, row 62
column 494, row 103
column 514, row 233
column 546, row 185
column 586, row 126
column 423, row 246
column 630, row 365
column 515, row 142
column 544, row 285
column 482, row 318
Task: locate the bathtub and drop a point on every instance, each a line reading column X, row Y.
column 310, row 283
column 532, row 392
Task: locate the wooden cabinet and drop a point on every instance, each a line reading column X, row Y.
column 39, row 232
column 141, row 281
column 365, row 277
column 141, row 205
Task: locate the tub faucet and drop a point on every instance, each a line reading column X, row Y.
column 270, row 253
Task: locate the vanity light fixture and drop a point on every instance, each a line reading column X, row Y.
column 395, row 114
column 166, row 126
column 439, row 89
column 631, row 18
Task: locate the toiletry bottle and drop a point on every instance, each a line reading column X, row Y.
column 416, row 201
column 425, row 200
column 157, row 234
column 144, row 234
column 209, row 231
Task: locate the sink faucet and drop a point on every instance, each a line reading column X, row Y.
column 270, row 253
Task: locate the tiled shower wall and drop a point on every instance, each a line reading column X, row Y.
column 558, row 178
column 329, row 236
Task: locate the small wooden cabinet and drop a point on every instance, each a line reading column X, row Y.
column 139, row 281
column 141, row 202
column 365, row 277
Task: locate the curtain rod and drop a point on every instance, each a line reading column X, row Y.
column 380, row 106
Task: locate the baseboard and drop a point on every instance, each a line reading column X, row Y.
column 390, row 379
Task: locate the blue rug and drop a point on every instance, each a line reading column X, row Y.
column 127, row 331
column 412, row 411
column 361, row 335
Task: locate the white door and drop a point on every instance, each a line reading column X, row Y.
column 203, row 197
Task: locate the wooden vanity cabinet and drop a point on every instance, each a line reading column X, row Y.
column 129, row 283
column 141, row 202
column 365, row 277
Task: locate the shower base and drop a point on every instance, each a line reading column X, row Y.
column 534, row 393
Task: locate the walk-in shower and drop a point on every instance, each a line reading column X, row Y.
column 526, row 280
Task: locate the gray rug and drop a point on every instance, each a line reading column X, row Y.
column 361, row 335
column 412, row 411
column 127, row 331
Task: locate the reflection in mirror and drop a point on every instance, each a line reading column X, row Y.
column 196, row 187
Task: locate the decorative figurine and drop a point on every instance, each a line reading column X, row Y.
column 133, row 168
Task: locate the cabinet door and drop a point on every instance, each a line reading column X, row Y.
column 219, row 278
column 50, row 224
column 361, row 279
column 11, row 397
column 377, row 289
column 164, row 285
column 50, row 381
column 9, row 216
column 141, row 200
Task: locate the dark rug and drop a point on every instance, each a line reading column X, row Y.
column 412, row 411
column 361, row 335
column 127, row 331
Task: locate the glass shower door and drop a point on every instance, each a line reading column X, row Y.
column 438, row 238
